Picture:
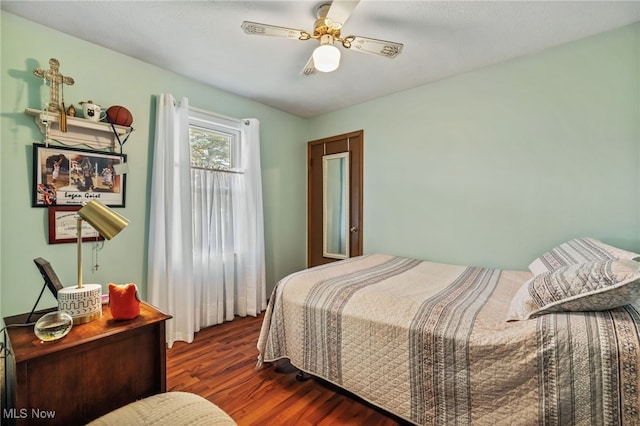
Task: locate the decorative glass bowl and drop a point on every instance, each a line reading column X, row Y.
column 53, row 326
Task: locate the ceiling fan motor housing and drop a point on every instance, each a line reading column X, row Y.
column 323, row 25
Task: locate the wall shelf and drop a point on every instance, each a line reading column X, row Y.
column 80, row 131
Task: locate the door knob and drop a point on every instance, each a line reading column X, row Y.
column 353, row 229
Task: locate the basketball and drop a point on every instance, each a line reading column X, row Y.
column 119, row 115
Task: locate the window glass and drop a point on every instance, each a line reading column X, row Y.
column 211, row 149
column 214, row 141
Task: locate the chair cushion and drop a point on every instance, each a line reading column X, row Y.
column 171, row 408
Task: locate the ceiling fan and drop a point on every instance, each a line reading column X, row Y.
column 330, row 19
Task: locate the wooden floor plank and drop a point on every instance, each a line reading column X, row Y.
column 220, row 366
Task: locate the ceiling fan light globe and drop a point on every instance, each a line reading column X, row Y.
column 326, row 58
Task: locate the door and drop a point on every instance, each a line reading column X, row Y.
column 334, row 198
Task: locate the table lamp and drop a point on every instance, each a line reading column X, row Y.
column 83, row 302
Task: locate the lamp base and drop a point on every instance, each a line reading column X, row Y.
column 83, row 304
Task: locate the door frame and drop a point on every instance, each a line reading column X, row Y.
column 353, row 142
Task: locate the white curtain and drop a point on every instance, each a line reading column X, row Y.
column 206, row 242
column 170, row 263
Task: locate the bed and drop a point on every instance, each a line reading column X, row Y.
column 439, row 344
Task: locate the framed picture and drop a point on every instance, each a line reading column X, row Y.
column 49, row 275
column 71, row 176
column 63, row 226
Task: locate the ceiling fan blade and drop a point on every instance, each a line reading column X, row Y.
column 340, row 11
column 272, row 30
column 372, row 46
column 309, row 68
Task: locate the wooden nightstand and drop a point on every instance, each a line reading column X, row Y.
column 96, row 368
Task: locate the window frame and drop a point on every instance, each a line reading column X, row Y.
column 211, row 122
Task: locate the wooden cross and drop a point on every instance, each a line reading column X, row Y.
column 53, row 76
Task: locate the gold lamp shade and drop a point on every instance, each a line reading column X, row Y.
column 107, row 222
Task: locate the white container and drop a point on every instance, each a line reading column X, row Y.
column 91, row 111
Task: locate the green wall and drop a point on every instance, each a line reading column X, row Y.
column 486, row 168
column 497, row 165
column 109, row 78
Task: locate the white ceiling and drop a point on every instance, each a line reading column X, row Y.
column 203, row 41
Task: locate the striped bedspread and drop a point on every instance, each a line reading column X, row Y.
column 429, row 343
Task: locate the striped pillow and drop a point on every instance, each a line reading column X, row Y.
column 591, row 286
column 578, row 250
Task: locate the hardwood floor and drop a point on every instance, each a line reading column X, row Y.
column 220, row 366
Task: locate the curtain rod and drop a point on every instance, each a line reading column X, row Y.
column 220, row 116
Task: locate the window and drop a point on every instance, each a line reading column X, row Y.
column 214, row 146
column 210, row 150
